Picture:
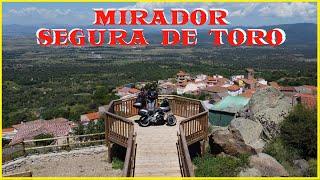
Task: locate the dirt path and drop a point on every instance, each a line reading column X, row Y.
column 89, row 161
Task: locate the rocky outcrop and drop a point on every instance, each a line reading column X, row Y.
column 269, row 107
column 241, row 136
column 249, row 131
column 250, row 172
column 229, row 143
column 267, row 165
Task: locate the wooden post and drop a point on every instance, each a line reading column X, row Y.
column 108, row 143
column 24, row 148
column 202, row 147
column 110, row 152
column 68, row 143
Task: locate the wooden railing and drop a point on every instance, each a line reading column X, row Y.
column 118, row 128
column 68, row 141
column 186, row 166
column 194, row 128
column 125, row 107
column 129, row 163
column 56, row 143
column 182, row 106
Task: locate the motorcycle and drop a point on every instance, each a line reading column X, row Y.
column 156, row 115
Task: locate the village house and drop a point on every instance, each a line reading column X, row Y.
column 200, row 78
column 234, row 90
column 239, row 82
column 248, row 93
column 262, row 81
column 249, row 83
column 216, row 93
column 274, row 84
column 308, row 100
column 167, row 88
column 236, row 77
column 8, row 133
column 191, row 88
column 85, row 119
column 212, row 81
column 306, row 89
column 182, row 78
column 126, row 92
column 288, row 90
column 28, row 130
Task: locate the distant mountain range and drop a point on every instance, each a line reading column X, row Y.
column 297, row 34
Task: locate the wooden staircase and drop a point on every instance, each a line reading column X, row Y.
column 156, row 153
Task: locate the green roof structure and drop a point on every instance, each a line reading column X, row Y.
column 231, row 104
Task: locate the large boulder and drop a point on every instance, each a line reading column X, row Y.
column 267, row 165
column 249, row 131
column 269, row 107
column 229, row 143
column 250, row 172
column 302, row 166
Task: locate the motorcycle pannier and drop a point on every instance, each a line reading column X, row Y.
column 143, row 112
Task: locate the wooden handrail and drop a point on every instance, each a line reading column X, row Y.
column 129, row 163
column 184, row 156
column 63, row 137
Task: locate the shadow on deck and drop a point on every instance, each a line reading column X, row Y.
column 157, row 150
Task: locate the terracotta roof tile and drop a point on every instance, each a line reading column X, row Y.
column 27, row 131
column 216, row 89
column 274, row 84
column 93, row 116
column 233, row 88
column 308, row 100
column 6, row 130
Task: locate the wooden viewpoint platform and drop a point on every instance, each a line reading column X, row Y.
column 156, row 150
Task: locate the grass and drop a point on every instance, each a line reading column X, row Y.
column 218, row 166
column 117, row 163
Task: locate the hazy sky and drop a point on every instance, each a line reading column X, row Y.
column 247, row 14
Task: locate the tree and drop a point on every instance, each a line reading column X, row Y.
column 91, row 128
column 299, row 130
column 79, row 130
column 100, row 126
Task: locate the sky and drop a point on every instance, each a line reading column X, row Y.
column 240, row 14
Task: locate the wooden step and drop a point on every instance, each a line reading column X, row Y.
column 156, row 153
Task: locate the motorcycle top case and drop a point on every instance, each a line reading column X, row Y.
column 137, row 105
column 143, row 112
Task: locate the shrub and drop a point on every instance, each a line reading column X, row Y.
column 43, row 136
column 218, row 166
column 299, row 130
column 117, row 163
column 280, row 152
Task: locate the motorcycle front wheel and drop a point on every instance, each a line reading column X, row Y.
column 144, row 121
column 171, row 120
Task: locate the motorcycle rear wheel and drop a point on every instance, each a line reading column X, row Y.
column 171, row 120
column 144, row 121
